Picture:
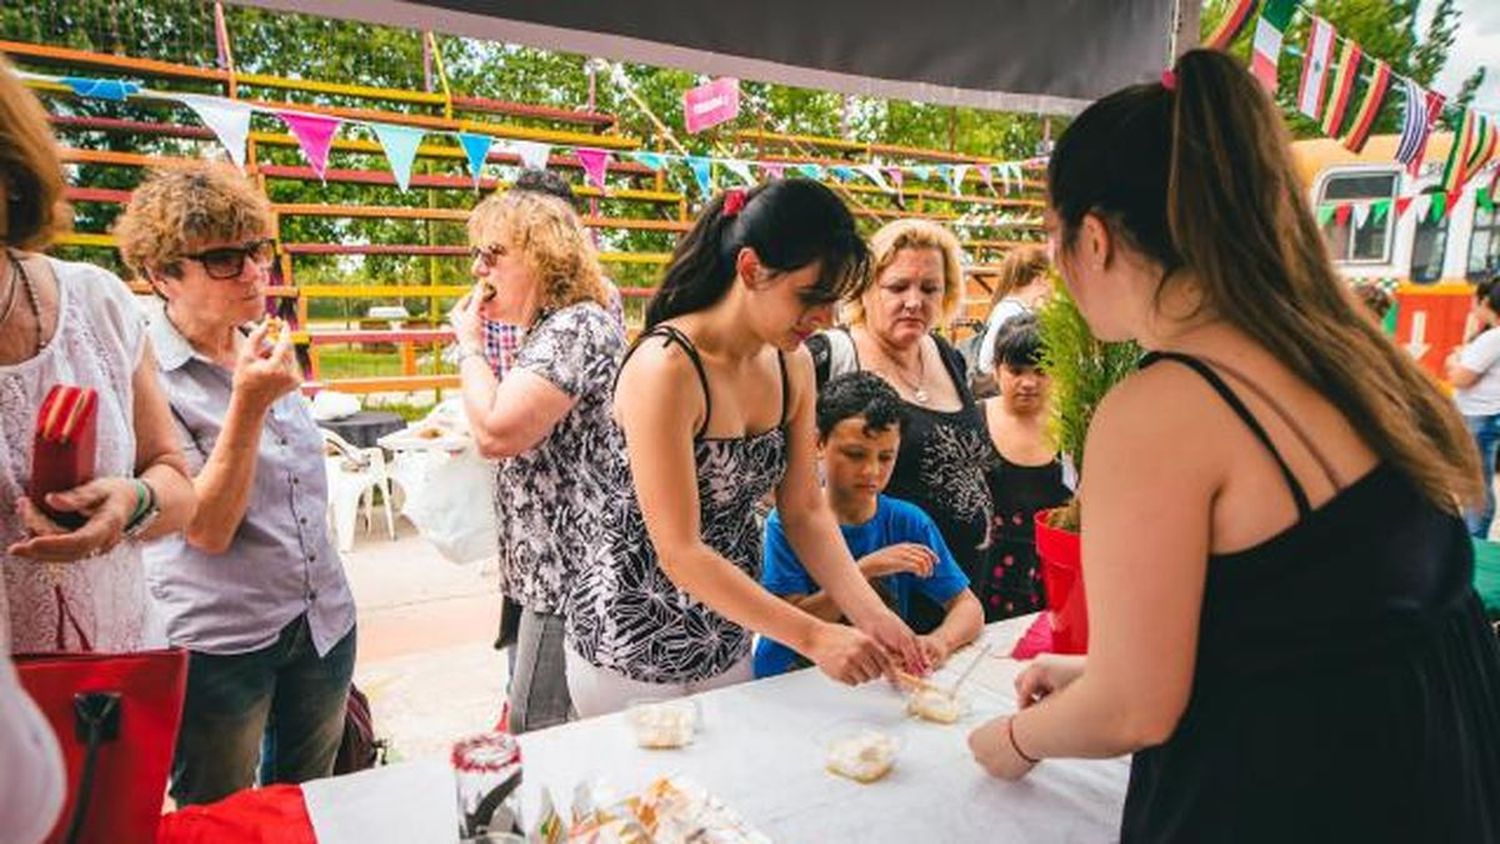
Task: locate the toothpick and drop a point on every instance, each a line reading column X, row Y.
column 953, row 690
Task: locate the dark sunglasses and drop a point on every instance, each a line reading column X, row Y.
column 228, row 262
column 489, row 253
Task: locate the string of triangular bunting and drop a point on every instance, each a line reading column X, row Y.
column 229, row 120
column 1430, row 206
column 1475, row 145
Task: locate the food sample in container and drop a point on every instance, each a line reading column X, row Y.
column 662, row 724
column 864, row 757
column 933, row 704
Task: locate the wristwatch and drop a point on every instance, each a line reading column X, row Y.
column 146, row 510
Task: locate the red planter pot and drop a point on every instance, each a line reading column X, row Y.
column 1061, row 554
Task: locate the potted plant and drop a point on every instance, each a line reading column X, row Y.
column 1082, row 368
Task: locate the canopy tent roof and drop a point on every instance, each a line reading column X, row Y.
column 1050, row 56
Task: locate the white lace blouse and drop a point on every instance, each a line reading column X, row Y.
column 98, row 343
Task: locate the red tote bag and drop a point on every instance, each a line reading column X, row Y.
column 123, row 710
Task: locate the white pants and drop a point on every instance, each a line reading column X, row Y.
column 600, row 691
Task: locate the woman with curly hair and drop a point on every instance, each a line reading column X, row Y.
column 546, row 422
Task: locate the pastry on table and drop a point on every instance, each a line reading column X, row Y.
column 934, row 704
column 863, row 757
column 663, row 724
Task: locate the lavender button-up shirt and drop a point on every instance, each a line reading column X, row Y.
column 280, row 563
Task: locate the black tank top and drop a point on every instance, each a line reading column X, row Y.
column 1347, row 685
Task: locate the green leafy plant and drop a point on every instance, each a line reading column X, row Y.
column 1083, row 368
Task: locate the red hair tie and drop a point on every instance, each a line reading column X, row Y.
column 1169, row 79
column 734, row 202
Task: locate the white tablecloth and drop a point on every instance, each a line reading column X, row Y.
column 761, row 749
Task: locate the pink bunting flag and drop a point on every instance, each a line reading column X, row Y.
column 898, row 177
column 987, row 175
column 773, row 169
column 595, row 164
column 314, row 133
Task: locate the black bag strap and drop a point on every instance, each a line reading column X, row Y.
column 96, row 720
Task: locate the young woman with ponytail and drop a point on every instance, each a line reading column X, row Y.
column 1282, row 626
column 715, row 402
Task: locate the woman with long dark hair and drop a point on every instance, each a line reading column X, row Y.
column 1282, row 622
column 715, row 402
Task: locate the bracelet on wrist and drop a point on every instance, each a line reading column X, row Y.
column 143, row 498
column 1010, row 732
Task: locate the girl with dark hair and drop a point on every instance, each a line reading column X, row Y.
column 1474, row 370
column 716, row 402
column 1282, row 622
column 1029, row 476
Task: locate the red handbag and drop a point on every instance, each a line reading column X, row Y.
column 116, row 717
column 64, row 447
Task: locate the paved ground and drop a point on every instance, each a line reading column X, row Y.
column 425, row 631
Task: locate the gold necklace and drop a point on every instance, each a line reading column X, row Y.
column 918, row 394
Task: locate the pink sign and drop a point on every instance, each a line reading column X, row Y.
column 709, row 105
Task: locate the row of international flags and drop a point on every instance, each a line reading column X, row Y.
column 1476, row 143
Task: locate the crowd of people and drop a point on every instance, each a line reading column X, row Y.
column 788, row 468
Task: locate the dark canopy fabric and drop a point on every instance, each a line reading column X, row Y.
column 1034, row 55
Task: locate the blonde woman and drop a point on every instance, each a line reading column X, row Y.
column 547, row 423
column 945, row 448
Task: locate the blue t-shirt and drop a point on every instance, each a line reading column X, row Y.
column 895, row 521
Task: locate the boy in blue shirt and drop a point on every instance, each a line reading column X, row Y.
column 896, row 545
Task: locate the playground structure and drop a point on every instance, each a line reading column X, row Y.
column 636, row 218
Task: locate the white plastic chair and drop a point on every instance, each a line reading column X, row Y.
column 353, row 476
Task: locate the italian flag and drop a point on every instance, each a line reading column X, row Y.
column 1315, row 67
column 1343, row 87
column 1365, row 117
column 1268, row 31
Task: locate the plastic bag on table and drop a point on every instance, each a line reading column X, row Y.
column 449, row 498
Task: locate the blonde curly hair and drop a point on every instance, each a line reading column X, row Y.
column 178, row 208
column 551, row 239
column 912, row 233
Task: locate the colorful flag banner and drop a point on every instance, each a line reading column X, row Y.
column 956, row 175
column 595, row 164
column 1439, row 207
column 533, row 154
column 229, row 120
column 811, row 171
column 1320, row 40
column 652, row 160
column 922, row 173
column 1402, row 204
column 706, row 106
column 314, row 134
column 476, row 150
column 1458, row 154
column 842, row 173
column 1364, row 119
column 114, row 90
column 898, row 179
column 872, row 172
column 400, row 144
column 1421, row 204
column 1486, row 140
column 1422, row 111
column 1231, row 26
column 1274, row 17
column 986, row 175
column 1325, row 214
column 1343, row 88
column 1380, row 209
column 773, row 169
column 1361, row 214
column 1341, row 213
column 703, row 172
column 741, row 169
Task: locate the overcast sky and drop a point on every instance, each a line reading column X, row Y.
column 1476, row 43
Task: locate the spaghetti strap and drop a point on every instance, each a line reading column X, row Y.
column 1298, row 494
column 1291, row 422
column 671, row 334
column 786, row 389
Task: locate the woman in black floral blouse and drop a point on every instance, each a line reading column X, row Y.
column 547, row 423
